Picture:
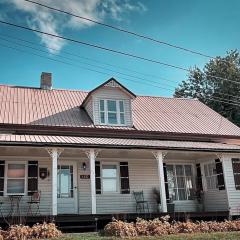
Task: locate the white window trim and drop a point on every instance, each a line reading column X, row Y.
column 205, row 177
column 117, row 112
column 6, row 178
column 117, row 177
column 193, row 179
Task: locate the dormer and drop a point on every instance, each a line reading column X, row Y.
column 110, row 104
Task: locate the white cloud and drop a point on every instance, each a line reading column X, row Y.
column 49, row 21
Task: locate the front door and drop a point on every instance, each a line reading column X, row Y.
column 67, row 188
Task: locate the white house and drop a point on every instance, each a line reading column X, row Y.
column 88, row 151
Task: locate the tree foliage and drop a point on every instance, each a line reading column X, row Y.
column 209, row 86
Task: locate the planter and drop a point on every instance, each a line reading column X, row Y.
column 200, row 207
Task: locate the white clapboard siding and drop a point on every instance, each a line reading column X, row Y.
column 215, row 200
column 112, row 93
column 143, row 175
column 84, row 190
column 89, row 108
column 45, row 186
column 233, row 194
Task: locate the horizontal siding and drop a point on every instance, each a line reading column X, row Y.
column 109, row 93
column 84, row 190
column 233, row 194
column 89, row 108
column 215, row 200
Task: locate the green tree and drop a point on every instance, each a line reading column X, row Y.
column 209, row 86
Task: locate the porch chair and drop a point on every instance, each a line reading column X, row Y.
column 34, row 202
column 141, row 204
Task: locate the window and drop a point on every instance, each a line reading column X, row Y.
column 112, row 112
column 16, row 178
column 109, row 178
column 210, row 175
column 236, row 172
column 65, row 181
column 180, row 182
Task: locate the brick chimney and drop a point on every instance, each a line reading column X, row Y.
column 46, row 81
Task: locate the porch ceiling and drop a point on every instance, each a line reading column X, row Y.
column 46, row 140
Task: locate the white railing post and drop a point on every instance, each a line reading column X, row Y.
column 159, row 155
column 54, row 153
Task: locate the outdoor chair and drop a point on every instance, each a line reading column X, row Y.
column 34, row 204
column 141, row 204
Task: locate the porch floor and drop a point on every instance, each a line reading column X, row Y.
column 91, row 222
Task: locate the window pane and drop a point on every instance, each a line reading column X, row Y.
column 16, row 170
column 102, row 105
column 102, row 116
column 122, row 120
column 181, row 194
column 109, row 171
column 121, row 106
column 15, row 185
column 65, row 182
column 180, row 182
column 112, row 107
column 112, row 118
column 109, row 185
column 179, row 170
column 188, row 170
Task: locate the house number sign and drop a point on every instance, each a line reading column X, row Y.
column 84, row 176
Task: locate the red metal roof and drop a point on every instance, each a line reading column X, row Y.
column 46, row 140
column 33, row 106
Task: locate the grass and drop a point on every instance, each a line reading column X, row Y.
column 201, row 236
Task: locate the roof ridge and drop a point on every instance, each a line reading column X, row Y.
column 195, row 99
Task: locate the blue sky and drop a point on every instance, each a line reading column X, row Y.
column 211, row 27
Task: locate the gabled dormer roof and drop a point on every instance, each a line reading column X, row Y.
column 112, row 82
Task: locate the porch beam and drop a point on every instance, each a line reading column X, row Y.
column 92, row 154
column 159, row 155
column 55, row 154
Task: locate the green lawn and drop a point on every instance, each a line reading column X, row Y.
column 203, row 236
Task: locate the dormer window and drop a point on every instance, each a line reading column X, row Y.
column 112, row 112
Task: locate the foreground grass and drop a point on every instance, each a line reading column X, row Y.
column 202, row 236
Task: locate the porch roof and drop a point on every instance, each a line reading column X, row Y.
column 61, row 141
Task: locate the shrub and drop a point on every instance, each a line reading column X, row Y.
column 21, row 232
column 158, row 227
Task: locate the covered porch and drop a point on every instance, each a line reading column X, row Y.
column 90, row 181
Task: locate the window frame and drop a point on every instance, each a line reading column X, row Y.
column 117, row 177
column 237, row 187
column 25, row 178
column 185, row 176
column 118, row 112
column 210, row 176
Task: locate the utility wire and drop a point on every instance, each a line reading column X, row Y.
column 91, row 59
column 96, row 46
column 76, row 65
column 91, row 65
column 9, row 39
column 112, row 50
column 104, row 73
column 122, row 30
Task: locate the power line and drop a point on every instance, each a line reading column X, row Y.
column 92, row 65
column 9, row 39
column 97, row 46
column 112, row 50
column 121, row 30
column 91, row 59
column 75, row 65
column 104, row 73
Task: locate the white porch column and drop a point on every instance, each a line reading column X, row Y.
column 54, row 153
column 159, row 155
column 92, row 154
